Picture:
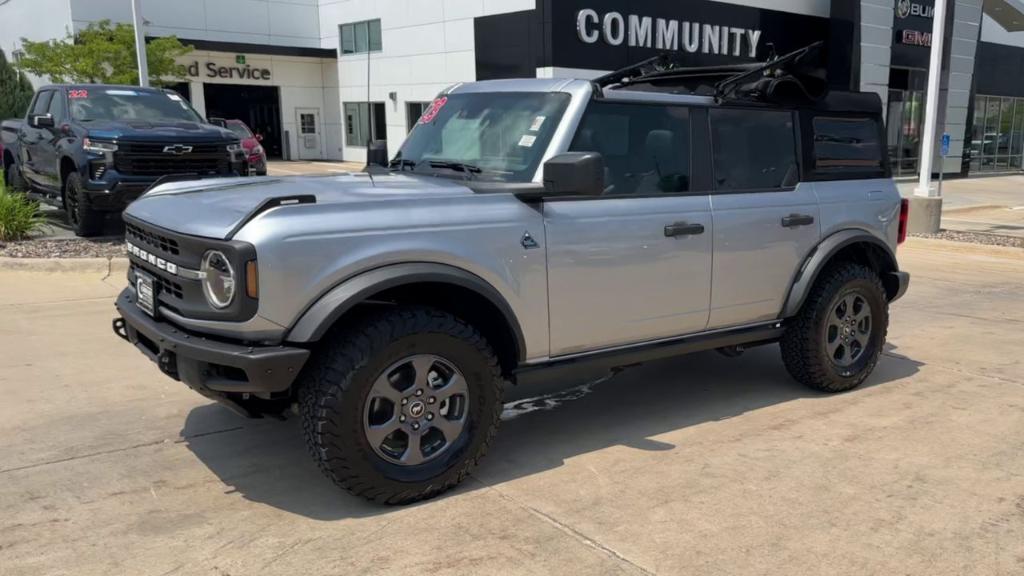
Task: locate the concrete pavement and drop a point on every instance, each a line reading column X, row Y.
column 990, row 205
column 698, row 465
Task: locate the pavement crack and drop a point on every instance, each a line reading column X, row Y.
column 178, row 440
column 566, row 528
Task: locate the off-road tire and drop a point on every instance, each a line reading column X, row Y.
column 83, row 219
column 334, row 387
column 803, row 344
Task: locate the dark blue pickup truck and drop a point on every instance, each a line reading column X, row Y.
column 92, row 149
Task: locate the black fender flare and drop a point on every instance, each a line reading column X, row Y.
column 319, row 317
column 820, row 256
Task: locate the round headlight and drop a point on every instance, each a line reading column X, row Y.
column 218, row 279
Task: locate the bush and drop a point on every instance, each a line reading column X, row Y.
column 19, row 216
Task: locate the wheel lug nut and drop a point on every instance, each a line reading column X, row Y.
column 419, row 392
column 430, row 415
column 405, row 401
column 431, row 400
column 401, row 418
column 415, row 425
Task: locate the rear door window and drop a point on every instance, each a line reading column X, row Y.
column 646, row 148
column 753, row 149
column 846, row 144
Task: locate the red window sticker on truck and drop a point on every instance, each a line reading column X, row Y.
column 431, row 112
column 78, row 93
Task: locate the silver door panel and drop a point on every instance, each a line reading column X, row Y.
column 755, row 257
column 615, row 278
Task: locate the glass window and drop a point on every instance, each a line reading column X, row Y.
column 348, row 39
column 413, row 111
column 307, row 123
column 504, row 134
column 1017, row 135
column 56, row 107
column 240, row 129
column 375, row 41
column 128, row 104
column 358, row 123
column 360, row 37
column 42, row 103
column 754, row 149
column 846, row 143
column 646, row 149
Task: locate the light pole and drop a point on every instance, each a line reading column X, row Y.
column 931, row 108
column 140, row 44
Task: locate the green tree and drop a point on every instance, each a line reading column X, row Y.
column 103, row 53
column 15, row 90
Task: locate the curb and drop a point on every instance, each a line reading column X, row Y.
column 104, row 266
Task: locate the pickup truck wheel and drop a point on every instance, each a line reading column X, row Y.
column 83, row 219
column 834, row 343
column 13, row 180
column 402, row 406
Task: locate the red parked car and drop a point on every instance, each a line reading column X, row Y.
column 254, row 151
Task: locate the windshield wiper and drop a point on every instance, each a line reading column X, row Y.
column 401, row 163
column 467, row 169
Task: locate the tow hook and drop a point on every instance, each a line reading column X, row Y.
column 119, row 328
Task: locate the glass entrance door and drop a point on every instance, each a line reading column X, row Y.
column 904, row 123
column 905, row 118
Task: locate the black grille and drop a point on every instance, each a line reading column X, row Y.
column 166, row 286
column 148, row 159
column 152, row 239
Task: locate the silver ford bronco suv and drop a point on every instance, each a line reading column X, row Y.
column 536, row 230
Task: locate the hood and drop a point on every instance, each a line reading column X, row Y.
column 217, row 208
column 143, row 131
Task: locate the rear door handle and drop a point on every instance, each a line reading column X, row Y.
column 683, row 229
column 794, row 220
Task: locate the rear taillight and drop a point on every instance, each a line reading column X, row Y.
column 904, row 219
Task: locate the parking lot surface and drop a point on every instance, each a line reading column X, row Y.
column 698, row 465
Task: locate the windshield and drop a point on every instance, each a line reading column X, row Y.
column 503, row 134
column 239, row 129
column 126, row 104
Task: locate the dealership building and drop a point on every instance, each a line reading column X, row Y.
column 319, row 78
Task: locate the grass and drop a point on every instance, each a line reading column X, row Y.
column 19, row 216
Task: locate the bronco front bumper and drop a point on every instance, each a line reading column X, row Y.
column 212, row 367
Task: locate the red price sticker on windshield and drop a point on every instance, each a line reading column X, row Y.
column 431, row 112
column 78, row 93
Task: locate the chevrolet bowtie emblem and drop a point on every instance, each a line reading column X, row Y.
column 177, row 149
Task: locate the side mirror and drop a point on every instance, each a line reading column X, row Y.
column 377, row 153
column 42, row 121
column 218, row 122
column 574, row 174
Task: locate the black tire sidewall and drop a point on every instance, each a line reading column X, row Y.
column 85, row 221
column 13, row 180
column 855, row 373
column 344, row 426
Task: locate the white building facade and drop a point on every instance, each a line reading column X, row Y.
column 325, row 77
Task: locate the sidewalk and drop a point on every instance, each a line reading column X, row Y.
column 988, row 205
column 302, row 167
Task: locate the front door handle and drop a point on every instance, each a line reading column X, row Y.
column 683, row 229
column 794, row 220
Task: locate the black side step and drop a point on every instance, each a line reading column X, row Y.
column 617, row 358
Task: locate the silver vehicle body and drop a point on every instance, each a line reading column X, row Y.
column 603, row 274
